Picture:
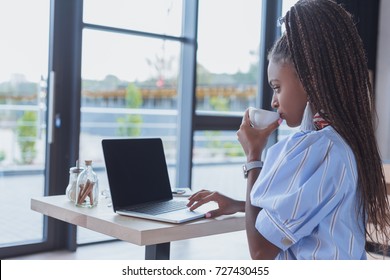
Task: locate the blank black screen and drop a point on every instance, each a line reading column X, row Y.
column 137, row 171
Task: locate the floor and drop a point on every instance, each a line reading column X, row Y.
column 230, row 246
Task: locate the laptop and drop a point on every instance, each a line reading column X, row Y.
column 139, row 183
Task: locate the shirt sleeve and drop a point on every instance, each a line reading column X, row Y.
column 301, row 183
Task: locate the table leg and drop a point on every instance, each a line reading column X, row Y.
column 157, row 251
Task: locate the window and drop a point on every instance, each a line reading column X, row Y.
column 154, row 16
column 23, row 74
column 217, row 160
column 228, row 55
column 227, row 84
column 129, row 79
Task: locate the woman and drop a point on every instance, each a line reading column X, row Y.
column 319, row 187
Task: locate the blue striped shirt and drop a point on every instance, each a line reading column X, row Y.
column 308, row 192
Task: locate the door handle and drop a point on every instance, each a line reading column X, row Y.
column 51, row 116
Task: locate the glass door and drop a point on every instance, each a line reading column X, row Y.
column 24, row 33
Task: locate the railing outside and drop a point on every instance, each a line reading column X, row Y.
column 98, row 123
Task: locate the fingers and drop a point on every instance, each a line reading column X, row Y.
column 202, row 197
column 198, row 194
column 196, row 204
column 214, row 213
column 246, row 126
column 245, row 118
column 198, row 199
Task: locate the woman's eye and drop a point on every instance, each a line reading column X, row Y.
column 276, row 89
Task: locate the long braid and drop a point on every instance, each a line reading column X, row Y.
column 327, row 52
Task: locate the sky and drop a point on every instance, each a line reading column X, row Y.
column 228, row 31
column 24, row 38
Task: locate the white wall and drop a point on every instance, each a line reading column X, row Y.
column 383, row 80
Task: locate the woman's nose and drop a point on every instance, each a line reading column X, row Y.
column 274, row 102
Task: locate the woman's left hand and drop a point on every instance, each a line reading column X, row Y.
column 226, row 205
column 253, row 140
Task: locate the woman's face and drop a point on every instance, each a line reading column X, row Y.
column 289, row 96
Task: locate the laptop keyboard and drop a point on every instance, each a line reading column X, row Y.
column 157, row 208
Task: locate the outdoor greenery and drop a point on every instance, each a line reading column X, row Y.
column 26, row 132
column 129, row 125
column 231, row 149
column 2, row 155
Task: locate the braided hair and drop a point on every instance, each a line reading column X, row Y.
column 322, row 43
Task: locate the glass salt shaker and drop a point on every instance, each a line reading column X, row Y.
column 87, row 189
column 71, row 188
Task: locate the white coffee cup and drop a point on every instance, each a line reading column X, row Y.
column 261, row 118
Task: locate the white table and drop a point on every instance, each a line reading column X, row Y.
column 156, row 236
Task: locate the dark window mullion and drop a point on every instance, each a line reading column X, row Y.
column 217, row 122
column 186, row 95
column 134, row 32
column 65, row 61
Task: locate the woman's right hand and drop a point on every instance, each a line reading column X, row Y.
column 253, row 140
column 226, row 205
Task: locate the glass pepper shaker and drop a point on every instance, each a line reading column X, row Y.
column 71, row 188
column 87, row 189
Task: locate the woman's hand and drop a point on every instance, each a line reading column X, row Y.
column 253, row 140
column 226, row 205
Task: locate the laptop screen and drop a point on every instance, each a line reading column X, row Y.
column 137, row 171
